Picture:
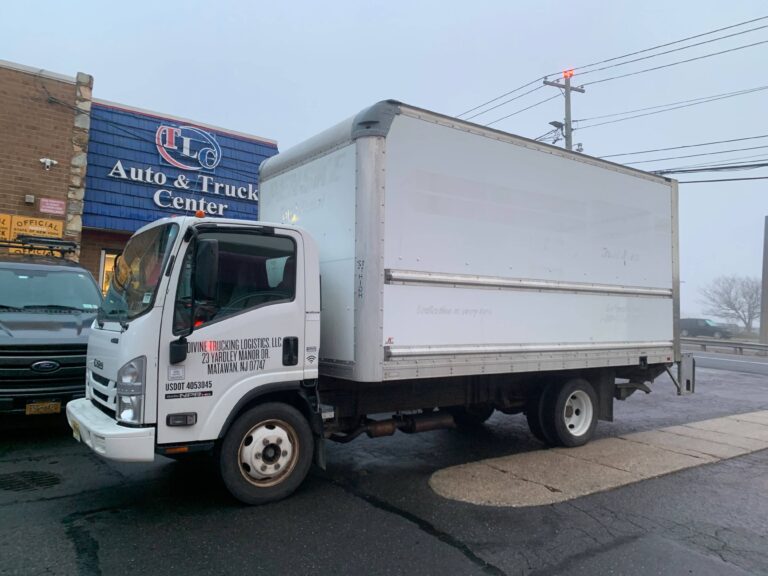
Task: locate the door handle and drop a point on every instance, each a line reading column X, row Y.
column 290, row 351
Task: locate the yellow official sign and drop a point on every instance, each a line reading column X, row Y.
column 5, row 226
column 11, row 227
column 33, row 226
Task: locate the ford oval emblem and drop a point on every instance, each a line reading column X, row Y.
column 45, row 366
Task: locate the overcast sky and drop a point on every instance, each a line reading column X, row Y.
column 286, row 70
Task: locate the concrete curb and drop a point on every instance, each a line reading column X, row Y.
column 562, row 474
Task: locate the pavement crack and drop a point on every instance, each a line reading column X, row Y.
column 423, row 525
column 516, row 477
column 85, row 545
column 680, row 451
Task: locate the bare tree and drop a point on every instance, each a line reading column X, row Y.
column 735, row 298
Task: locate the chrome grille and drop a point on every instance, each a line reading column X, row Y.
column 18, row 377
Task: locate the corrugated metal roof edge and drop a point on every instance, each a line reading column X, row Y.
column 161, row 116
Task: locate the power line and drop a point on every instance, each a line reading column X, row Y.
column 685, row 146
column 671, row 43
column 505, row 102
column 749, row 166
column 705, row 167
column 722, row 180
column 673, row 50
column 676, row 63
column 540, row 102
column 613, row 59
column 695, row 155
column 492, row 100
column 711, row 99
column 546, row 134
column 735, row 160
column 735, row 93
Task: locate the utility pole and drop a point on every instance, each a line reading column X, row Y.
column 567, row 88
column 764, row 299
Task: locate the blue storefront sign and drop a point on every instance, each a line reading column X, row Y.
column 142, row 167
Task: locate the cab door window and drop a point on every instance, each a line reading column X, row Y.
column 254, row 270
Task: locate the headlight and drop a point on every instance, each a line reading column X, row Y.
column 131, row 381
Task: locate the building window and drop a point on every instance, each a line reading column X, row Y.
column 106, row 268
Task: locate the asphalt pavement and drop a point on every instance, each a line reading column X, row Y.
column 66, row 511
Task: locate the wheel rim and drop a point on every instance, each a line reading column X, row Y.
column 268, row 453
column 577, row 413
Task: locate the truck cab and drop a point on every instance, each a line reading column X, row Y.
column 209, row 326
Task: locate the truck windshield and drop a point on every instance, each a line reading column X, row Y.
column 137, row 273
column 40, row 290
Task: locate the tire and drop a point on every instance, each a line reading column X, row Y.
column 533, row 415
column 569, row 413
column 546, row 411
column 255, row 464
column 684, row 333
column 717, row 335
column 471, row 417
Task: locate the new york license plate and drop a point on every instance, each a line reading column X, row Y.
column 36, row 408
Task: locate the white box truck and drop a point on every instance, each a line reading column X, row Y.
column 419, row 272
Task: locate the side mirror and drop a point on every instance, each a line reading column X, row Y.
column 178, row 351
column 206, row 269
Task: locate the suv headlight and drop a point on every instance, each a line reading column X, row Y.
column 131, row 382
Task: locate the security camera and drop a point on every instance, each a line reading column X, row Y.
column 48, row 162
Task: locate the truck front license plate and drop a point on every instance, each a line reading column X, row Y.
column 35, row 408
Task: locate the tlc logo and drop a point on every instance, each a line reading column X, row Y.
column 188, row 148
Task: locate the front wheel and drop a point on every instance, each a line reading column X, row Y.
column 266, row 454
column 569, row 413
column 684, row 333
column 718, row 335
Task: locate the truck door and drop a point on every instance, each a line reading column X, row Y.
column 246, row 336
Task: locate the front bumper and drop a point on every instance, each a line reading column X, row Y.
column 106, row 437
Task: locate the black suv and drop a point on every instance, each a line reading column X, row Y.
column 47, row 306
column 703, row 327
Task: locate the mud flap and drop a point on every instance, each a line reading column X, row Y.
column 686, row 375
column 605, row 383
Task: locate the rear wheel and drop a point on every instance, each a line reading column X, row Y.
column 533, row 414
column 569, row 413
column 718, row 335
column 266, row 454
column 472, row 416
column 684, row 333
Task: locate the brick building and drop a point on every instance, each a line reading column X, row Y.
column 94, row 171
column 44, row 120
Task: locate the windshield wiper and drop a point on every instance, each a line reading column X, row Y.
column 12, row 308
column 104, row 315
column 52, row 307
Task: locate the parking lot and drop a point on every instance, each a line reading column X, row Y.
column 65, row 511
